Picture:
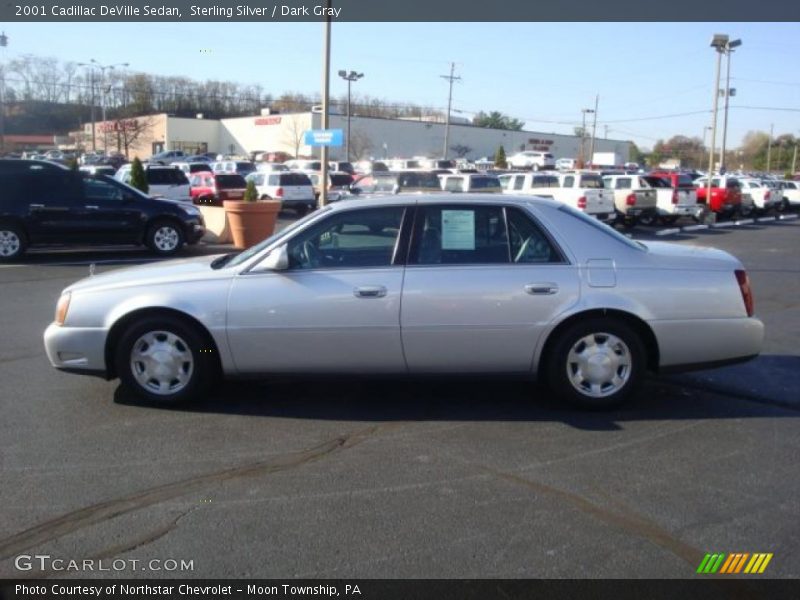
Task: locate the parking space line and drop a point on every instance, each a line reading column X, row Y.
column 669, row 231
column 724, row 224
column 694, row 227
column 744, row 222
column 787, row 217
column 765, row 219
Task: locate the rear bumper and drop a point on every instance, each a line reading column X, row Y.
column 685, row 210
column 691, row 344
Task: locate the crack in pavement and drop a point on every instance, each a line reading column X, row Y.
column 629, row 523
column 110, row 509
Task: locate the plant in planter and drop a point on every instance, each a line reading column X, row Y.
column 138, row 176
column 251, row 220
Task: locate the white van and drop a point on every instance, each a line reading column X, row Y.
column 166, row 181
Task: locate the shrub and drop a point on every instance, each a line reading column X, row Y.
column 138, row 176
column 251, row 193
column 500, row 159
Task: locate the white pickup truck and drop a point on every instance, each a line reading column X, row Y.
column 578, row 189
column 634, row 198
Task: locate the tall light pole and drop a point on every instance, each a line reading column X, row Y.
column 93, row 64
column 718, row 42
column 594, row 127
column 326, row 93
column 349, row 78
column 585, row 111
column 729, row 47
column 450, row 78
column 3, row 44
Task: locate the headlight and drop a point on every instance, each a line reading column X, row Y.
column 62, row 307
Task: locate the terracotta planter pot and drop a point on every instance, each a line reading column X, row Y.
column 251, row 222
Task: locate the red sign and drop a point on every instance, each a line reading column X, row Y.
column 110, row 126
column 268, row 121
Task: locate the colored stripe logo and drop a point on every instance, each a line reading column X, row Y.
column 737, row 562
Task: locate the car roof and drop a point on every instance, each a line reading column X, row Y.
column 446, row 198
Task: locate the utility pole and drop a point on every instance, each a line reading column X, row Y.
column 326, row 91
column 794, row 159
column 451, row 78
column 349, row 78
column 718, row 42
column 728, row 93
column 594, row 127
column 605, row 131
column 583, row 136
column 3, row 44
column 769, row 147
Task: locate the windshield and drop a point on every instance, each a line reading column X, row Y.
column 253, row 250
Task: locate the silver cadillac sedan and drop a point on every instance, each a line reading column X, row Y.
column 442, row 283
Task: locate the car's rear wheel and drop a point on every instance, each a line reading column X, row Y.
column 165, row 238
column 164, row 360
column 747, row 210
column 596, row 363
column 648, row 219
column 670, row 220
column 12, row 241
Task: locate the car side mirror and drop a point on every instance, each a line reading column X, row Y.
column 276, row 260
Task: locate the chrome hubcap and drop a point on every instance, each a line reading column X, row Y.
column 9, row 243
column 162, row 362
column 599, row 365
column 166, row 238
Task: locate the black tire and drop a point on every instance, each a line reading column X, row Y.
column 197, row 362
column 565, row 376
column 749, row 211
column 649, row 219
column 670, row 220
column 164, row 237
column 13, row 241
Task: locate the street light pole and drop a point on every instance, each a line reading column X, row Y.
column 718, row 42
column 729, row 47
column 326, row 92
column 92, row 65
column 349, row 78
column 594, row 128
column 451, row 78
column 584, row 111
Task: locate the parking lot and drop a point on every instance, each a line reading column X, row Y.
column 403, row 478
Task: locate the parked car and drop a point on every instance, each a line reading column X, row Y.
column 760, row 194
column 98, row 170
column 440, row 283
column 214, row 188
column 566, row 164
column 271, row 167
column 634, row 199
column 168, row 157
column 726, row 196
column 582, row 190
column 241, row 167
column 338, row 183
column 791, row 193
column 48, row 204
column 193, row 167
column 531, row 160
column 342, row 166
column 365, row 167
column 672, row 202
column 471, row 183
column 294, row 189
column 392, row 182
column 162, row 180
column 299, row 164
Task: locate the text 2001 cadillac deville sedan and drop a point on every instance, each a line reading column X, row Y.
column 424, row 284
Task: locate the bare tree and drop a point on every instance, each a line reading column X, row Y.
column 360, row 145
column 294, row 132
column 129, row 131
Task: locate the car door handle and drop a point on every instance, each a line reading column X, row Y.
column 92, row 207
column 541, row 289
column 370, row 291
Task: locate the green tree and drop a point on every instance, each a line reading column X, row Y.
column 138, row 177
column 251, row 193
column 500, row 158
column 496, row 120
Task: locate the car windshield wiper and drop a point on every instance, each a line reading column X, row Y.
column 221, row 261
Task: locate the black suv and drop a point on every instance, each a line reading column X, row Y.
column 45, row 203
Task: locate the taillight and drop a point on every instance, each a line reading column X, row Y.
column 582, row 202
column 766, row 195
column 279, row 192
column 674, row 196
column 747, row 291
column 631, row 200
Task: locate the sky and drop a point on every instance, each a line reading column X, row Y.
column 654, row 80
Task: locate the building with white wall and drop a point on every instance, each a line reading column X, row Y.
column 370, row 137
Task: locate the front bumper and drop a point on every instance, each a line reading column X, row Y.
column 76, row 349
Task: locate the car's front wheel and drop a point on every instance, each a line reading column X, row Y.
column 12, row 241
column 596, row 363
column 164, row 360
column 165, row 238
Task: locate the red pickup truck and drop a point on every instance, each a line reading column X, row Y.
column 726, row 194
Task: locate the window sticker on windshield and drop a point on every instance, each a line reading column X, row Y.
column 458, row 230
